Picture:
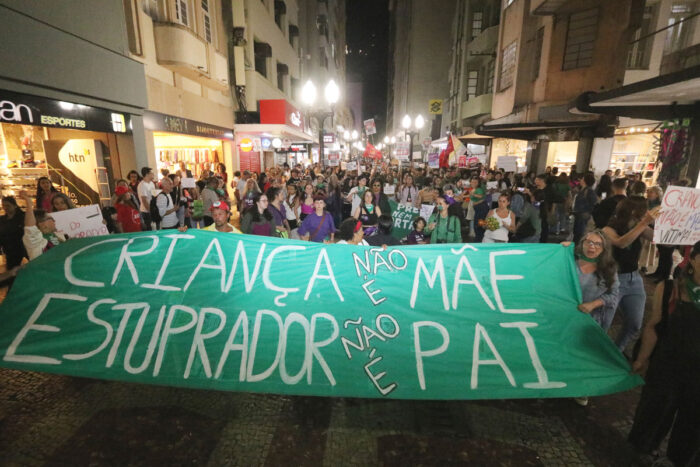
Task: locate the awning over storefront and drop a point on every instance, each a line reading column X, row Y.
column 273, row 131
column 666, row 97
column 531, row 131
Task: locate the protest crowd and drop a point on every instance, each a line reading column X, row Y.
column 610, row 220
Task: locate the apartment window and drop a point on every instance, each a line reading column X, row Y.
column 206, row 18
column 507, row 66
column 280, row 11
column 293, row 34
column 472, row 83
column 580, row 39
column 678, row 35
column 182, row 14
column 490, row 76
column 262, row 51
column 539, row 40
column 477, row 23
column 282, row 71
column 640, row 50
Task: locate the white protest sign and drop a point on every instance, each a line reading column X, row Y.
column 389, row 189
column 426, row 210
column 417, row 156
column 403, row 150
column 80, row 222
column 426, row 143
column 679, row 220
column 492, row 185
column 188, row 183
column 351, row 165
column 370, row 127
column 508, row 163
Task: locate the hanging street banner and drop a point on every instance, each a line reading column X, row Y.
column 679, row 220
column 370, row 127
column 258, row 314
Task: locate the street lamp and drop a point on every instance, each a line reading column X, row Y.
column 308, row 97
column 418, row 124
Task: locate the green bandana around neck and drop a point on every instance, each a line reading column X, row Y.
column 585, row 258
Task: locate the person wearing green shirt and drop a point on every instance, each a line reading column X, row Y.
column 480, row 205
column 442, row 227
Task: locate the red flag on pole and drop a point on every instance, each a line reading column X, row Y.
column 445, row 154
column 372, row 152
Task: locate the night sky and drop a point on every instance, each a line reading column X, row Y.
column 367, row 37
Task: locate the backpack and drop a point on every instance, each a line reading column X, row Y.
column 153, row 207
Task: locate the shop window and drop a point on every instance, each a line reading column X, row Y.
column 580, row 39
column 472, row 83
column 477, row 23
column 507, row 74
column 539, row 40
column 206, row 19
column 678, row 34
column 182, row 14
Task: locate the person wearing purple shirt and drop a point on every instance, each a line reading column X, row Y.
column 318, row 226
column 279, row 213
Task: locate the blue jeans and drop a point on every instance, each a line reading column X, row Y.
column 603, row 316
column 630, row 302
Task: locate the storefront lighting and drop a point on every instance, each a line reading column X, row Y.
column 276, row 143
column 246, row 145
column 66, row 105
column 355, row 135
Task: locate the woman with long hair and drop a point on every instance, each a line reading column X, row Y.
column 44, row 193
column 250, row 191
column 625, row 230
column 257, row 219
column 291, row 206
column 61, row 202
column 134, row 178
column 597, row 273
column 128, row 218
column 670, row 347
column 604, row 187
column 506, row 221
column 11, row 232
column 368, row 213
column 307, row 200
column 442, row 227
column 334, row 199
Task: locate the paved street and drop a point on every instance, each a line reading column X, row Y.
column 58, row 420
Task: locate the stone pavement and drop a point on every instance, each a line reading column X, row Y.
column 59, row 420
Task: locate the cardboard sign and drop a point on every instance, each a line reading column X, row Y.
column 679, row 220
column 403, row 150
column 370, row 127
column 351, row 165
column 426, row 210
column 80, row 222
column 260, row 314
column 417, row 156
column 188, row 183
column 508, row 163
column 426, row 143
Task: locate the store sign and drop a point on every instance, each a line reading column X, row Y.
column 33, row 110
column 171, row 124
column 77, row 161
column 266, row 143
column 280, row 112
column 296, row 147
column 246, row 145
column 329, row 138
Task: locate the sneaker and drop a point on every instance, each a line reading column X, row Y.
column 582, row 401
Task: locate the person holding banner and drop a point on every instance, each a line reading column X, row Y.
column 442, row 227
column 40, row 233
column 625, row 230
column 368, row 213
column 671, row 349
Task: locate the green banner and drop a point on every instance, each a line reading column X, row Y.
column 245, row 313
column 403, row 218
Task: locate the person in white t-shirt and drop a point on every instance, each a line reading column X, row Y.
column 166, row 207
column 357, row 192
column 145, row 191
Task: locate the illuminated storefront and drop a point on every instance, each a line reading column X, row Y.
column 635, row 150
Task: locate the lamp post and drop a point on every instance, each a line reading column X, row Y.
column 417, row 124
column 308, row 97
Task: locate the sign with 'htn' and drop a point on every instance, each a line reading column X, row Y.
column 249, row 313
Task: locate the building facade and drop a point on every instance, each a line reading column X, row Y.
column 419, row 62
column 71, row 98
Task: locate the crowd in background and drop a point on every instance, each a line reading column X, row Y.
column 610, row 220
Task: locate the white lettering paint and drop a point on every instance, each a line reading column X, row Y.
column 420, row 353
column 68, row 265
column 166, row 262
column 496, row 277
column 266, row 273
column 543, row 381
column 480, row 333
column 323, row 256
column 199, row 338
column 170, row 330
column 439, row 271
column 126, row 255
column 151, row 344
column 108, row 328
